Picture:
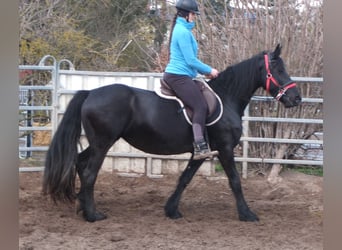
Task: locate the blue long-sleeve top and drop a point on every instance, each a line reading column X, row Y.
column 183, row 51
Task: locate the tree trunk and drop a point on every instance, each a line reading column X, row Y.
column 273, row 176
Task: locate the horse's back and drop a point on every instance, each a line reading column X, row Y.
column 113, row 90
column 110, row 96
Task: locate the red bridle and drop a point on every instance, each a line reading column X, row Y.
column 269, row 78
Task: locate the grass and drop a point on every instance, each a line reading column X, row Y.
column 218, row 168
column 309, row 170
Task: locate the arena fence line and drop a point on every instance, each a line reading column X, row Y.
column 61, row 84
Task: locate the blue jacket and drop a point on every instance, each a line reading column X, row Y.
column 183, row 51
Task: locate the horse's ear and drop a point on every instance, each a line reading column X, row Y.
column 277, row 51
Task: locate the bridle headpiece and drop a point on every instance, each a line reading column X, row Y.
column 270, row 79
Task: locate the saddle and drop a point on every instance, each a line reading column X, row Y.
column 214, row 102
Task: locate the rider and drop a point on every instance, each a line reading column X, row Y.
column 183, row 66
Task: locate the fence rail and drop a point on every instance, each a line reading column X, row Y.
column 64, row 83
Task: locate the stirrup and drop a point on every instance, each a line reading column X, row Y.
column 202, row 151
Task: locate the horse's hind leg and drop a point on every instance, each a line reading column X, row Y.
column 171, row 207
column 81, row 164
column 88, row 166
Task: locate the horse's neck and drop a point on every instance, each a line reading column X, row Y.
column 238, row 83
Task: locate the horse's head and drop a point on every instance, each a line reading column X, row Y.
column 277, row 81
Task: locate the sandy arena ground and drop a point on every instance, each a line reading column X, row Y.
column 291, row 215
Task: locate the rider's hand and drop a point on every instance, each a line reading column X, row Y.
column 214, row 73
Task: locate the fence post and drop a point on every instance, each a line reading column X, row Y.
column 245, row 146
column 54, row 104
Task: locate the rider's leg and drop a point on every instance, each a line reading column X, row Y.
column 189, row 92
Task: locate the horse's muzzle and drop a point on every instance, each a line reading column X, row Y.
column 291, row 102
column 298, row 100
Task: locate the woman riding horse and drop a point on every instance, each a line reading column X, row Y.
column 155, row 125
column 183, row 67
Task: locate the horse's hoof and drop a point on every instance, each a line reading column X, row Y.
column 94, row 217
column 174, row 215
column 248, row 217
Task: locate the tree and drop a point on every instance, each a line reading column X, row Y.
column 93, row 34
column 233, row 34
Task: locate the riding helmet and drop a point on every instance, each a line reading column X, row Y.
column 188, row 5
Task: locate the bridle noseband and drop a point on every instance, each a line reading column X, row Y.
column 269, row 78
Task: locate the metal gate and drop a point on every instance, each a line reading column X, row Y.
column 61, row 84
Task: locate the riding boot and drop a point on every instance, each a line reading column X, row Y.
column 202, row 150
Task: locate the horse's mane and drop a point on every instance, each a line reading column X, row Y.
column 239, row 80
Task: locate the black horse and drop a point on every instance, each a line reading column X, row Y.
column 155, row 125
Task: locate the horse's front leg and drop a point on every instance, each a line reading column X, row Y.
column 171, row 207
column 228, row 164
column 88, row 166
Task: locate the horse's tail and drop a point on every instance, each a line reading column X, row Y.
column 60, row 171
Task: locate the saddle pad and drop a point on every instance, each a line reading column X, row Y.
column 215, row 106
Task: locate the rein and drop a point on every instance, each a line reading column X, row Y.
column 269, row 78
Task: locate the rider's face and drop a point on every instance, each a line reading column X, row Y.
column 191, row 17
